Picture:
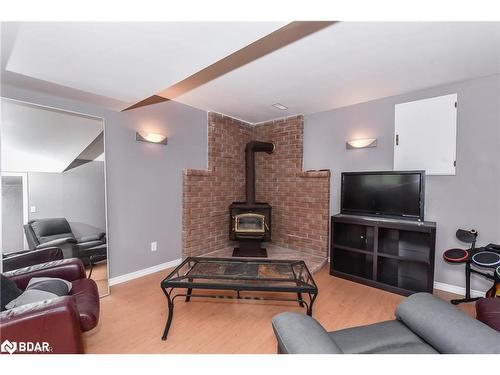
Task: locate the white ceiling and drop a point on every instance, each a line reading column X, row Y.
column 349, row 63
column 124, row 61
column 344, row 64
column 39, row 139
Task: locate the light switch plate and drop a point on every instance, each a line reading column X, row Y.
column 33, row 209
column 154, row 246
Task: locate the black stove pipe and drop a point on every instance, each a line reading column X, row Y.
column 250, row 149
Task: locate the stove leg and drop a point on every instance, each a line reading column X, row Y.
column 250, row 248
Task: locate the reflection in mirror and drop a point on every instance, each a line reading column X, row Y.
column 53, row 189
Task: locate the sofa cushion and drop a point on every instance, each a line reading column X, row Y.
column 9, row 291
column 406, row 349
column 87, row 302
column 41, row 289
column 445, row 327
column 488, row 312
column 391, row 337
column 51, row 229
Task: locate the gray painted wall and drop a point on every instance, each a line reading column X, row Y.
column 470, row 199
column 144, row 181
column 12, row 215
column 83, row 194
column 77, row 194
column 45, row 193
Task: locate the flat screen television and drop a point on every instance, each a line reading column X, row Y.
column 390, row 194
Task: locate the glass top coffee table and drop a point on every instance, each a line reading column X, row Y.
column 239, row 275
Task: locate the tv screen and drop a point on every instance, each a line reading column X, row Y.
column 390, row 194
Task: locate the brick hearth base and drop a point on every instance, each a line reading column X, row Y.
column 313, row 262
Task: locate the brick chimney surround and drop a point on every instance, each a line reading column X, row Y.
column 299, row 199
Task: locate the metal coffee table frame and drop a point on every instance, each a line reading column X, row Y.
column 304, row 284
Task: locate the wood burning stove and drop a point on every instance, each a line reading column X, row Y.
column 250, row 221
column 250, row 225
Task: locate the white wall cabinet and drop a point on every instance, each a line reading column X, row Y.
column 425, row 135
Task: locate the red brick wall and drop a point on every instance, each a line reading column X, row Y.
column 300, row 200
column 208, row 194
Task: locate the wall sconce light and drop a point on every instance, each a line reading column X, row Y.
column 361, row 143
column 151, row 138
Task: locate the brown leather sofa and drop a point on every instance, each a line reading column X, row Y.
column 488, row 312
column 60, row 321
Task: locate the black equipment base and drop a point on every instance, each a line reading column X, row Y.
column 464, row 300
column 468, row 272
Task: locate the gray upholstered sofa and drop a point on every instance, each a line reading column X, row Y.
column 424, row 324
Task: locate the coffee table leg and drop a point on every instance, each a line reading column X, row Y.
column 188, row 296
column 170, row 314
column 299, row 295
column 310, row 307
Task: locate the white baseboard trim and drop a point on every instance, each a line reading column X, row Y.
column 146, row 271
column 174, row 263
column 457, row 289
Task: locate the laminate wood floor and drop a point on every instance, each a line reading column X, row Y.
column 100, row 276
column 133, row 317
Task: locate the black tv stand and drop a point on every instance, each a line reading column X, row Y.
column 391, row 254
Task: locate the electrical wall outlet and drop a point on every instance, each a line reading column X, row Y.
column 154, row 246
column 33, row 209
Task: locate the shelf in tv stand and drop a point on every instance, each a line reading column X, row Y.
column 354, row 249
column 380, row 221
column 423, row 259
column 392, row 254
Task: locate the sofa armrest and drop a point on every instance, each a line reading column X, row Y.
column 31, row 258
column 55, row 322
column 81, row 246
column 91, row 237
column 67, row 269
column 445, row 327
column 67, row 245
column 301, row 334
column 56, row 243
column 15, row 253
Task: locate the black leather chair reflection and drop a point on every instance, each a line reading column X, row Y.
column 56, row 232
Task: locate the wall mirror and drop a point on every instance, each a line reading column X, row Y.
column 53, row 189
